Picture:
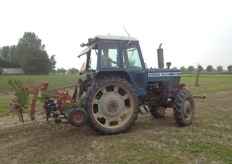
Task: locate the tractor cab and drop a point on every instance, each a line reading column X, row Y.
column 118, row 56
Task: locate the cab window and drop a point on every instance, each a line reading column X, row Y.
column 131, row 58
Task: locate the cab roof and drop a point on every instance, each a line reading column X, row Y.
column 113, row 37
column 92, row 42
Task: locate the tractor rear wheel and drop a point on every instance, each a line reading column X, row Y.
column 157, row 112
column 184, row 108
column 112, row 105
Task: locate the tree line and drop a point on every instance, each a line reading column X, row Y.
column 209, row 69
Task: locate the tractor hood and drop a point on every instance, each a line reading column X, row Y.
column 172, row 76
column 162, row 74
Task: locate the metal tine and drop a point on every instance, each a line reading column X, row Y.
column 13, row 85
column 17, row 83
column 21, row 82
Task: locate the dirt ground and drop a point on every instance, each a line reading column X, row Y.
column 42, row 142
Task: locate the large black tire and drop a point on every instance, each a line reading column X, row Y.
column 112, row 105
column 157, row 112
column 184, row 107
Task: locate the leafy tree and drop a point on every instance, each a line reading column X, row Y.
column 190, row 68
column 31, row 40
column 73, row 71
column 13, row 54
column 220, row 68
column 5, row 53
column 61, row 70
column 182, row 69
column 229, row 68
column 37, row 63
column 53, row 63
column 209, row 68
column 32, row 56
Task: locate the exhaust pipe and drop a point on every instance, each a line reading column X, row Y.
column 160, row 56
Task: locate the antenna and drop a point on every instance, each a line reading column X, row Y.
column 126, row 31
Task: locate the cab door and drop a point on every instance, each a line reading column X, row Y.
column 133, row 63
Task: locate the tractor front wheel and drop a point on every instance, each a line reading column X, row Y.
column 112, row 105
column 184, row 108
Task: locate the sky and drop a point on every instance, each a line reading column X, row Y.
column 192, row 32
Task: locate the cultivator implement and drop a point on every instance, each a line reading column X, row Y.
column 57, row 104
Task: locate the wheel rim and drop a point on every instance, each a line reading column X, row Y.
column 187, row 112
column 79, row 117
column 112, row 106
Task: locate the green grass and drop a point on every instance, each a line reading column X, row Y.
column 53, row 80
column 208, row 84
column 207, row 148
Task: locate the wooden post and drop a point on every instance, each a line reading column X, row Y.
column 199, row 69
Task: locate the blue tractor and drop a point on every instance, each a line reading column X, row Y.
column 118, row 83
